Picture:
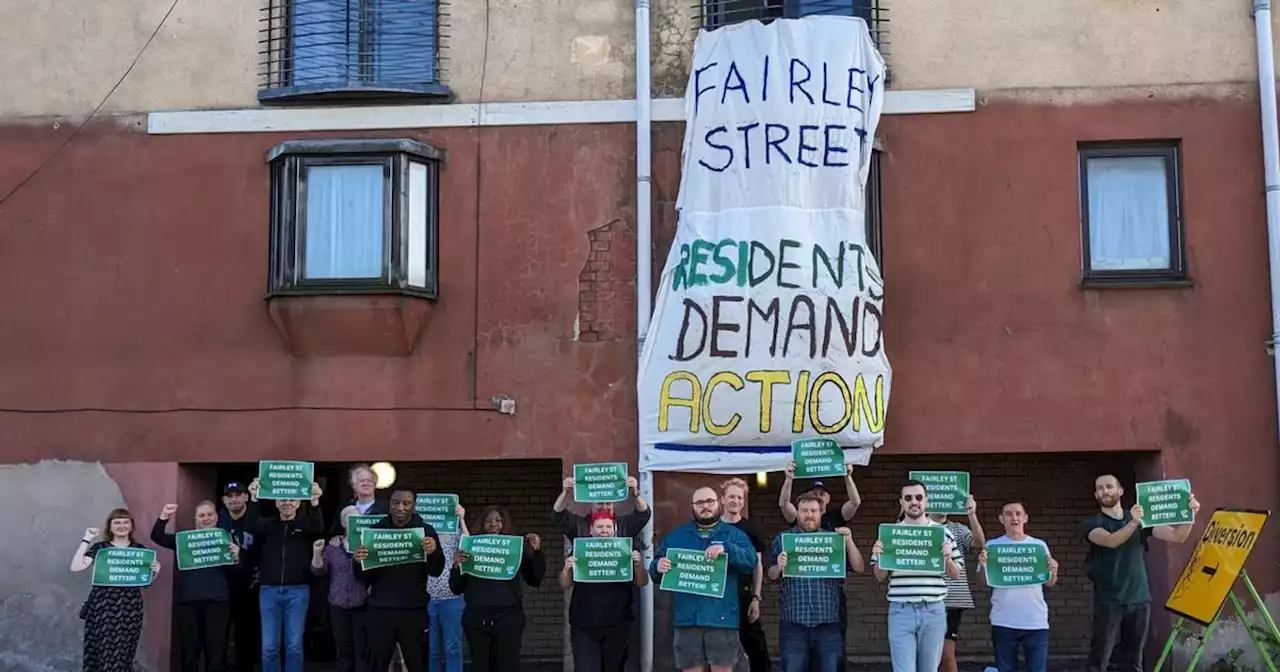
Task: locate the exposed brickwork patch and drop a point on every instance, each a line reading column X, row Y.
column 606, row 285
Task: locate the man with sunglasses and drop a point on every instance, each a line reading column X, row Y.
column 917, row 615
column 706, row 628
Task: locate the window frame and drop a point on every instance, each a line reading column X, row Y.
column 278, row 62
column 1175, row 274
column 875, row 212
column 289, row 162
column 716, row 14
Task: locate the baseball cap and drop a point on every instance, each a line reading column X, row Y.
column 819, row 485
column 233, row 486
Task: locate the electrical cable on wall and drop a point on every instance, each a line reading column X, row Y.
column 58, row 150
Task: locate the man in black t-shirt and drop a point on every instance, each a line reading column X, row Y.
column 1121, row 594
column 733, row 493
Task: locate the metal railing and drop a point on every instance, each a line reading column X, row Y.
column 341, row 48
column 712, row 14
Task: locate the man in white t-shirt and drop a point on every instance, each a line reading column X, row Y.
column 1019, row 616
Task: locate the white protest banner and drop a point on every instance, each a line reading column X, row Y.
column 768, row 316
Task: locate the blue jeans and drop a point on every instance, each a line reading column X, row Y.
column 916, row 632
column 1035, row 648
column 283, row 608
column 816, row 648
column 446, row 634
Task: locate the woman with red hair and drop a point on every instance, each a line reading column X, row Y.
column 112, row 615
column 600, row 613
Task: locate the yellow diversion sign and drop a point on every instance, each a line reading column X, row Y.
column 1215, row 564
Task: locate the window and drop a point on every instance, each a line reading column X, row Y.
column 1131, row 215
column 874, row 238
column 717, row 13
column 354, row 216
column 350, row 48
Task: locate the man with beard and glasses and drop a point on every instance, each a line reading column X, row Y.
column 750, row 629
column 917, row 615
column 242, row 585
column 809, row 632
column 706, row 628
column 1121, row 595
column 397, row 603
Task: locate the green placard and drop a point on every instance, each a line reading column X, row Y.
column 947, row 490
column 1016, row 565
column 198, row 549
column 601, row 559
column 1165, row 502
column 492, row 556
column 817, row 458
column 439, row 511
column 123, row 567
column 388, row 546
column 355, row 525
column 285, row 480
column 916, row 548
column 603, row 482
column 814, row 555
column 691, row 572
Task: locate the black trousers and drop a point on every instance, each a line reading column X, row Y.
column 384, row 628
column 494, row 639
column 1122, row 629
column 752, row 637
column 203, row 628
column 246, row 628
column 349, row 639
column 599, row 649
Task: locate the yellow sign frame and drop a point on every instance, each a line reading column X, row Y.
column 1215, row 564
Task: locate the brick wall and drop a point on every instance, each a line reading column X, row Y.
column 1058, row 492
column 606, row 285
column 527, row 489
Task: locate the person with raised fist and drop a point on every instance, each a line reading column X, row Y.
column 113, row 614
column 204, row 595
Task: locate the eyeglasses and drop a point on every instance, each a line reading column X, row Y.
column 913, row 498
column 704, row 502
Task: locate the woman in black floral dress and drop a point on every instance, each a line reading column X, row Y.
column 112, row 616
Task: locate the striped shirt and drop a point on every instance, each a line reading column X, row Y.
column 958, row 594
column 908, row 586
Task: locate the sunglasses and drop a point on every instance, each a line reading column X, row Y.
column 913, row 498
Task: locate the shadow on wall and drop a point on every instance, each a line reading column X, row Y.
column 48, row 506
column 1229, row 637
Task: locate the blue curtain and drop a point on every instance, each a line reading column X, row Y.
column 1128, row 213
column 405, row 44
column 344, row 234
column 326, row 41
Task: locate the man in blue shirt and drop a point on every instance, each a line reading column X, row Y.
column 706, row 628
column 810, row 631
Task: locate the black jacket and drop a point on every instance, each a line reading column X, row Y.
column 194, row 585
column 402, row 586
column 491, row 597
column 284, row 547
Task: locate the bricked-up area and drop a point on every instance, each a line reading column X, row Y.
column 606, row 285
column 526, row 489
column 1057, row 490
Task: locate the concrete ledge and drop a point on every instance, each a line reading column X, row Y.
column 386, row 117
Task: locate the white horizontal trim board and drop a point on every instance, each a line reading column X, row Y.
column 385, row 117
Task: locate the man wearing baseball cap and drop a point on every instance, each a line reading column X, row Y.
column 243, row 584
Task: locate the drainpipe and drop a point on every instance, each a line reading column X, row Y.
column 1271, row 166
column 644, row 291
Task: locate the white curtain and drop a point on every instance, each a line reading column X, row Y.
column 344, row 222
column 1128, row 213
